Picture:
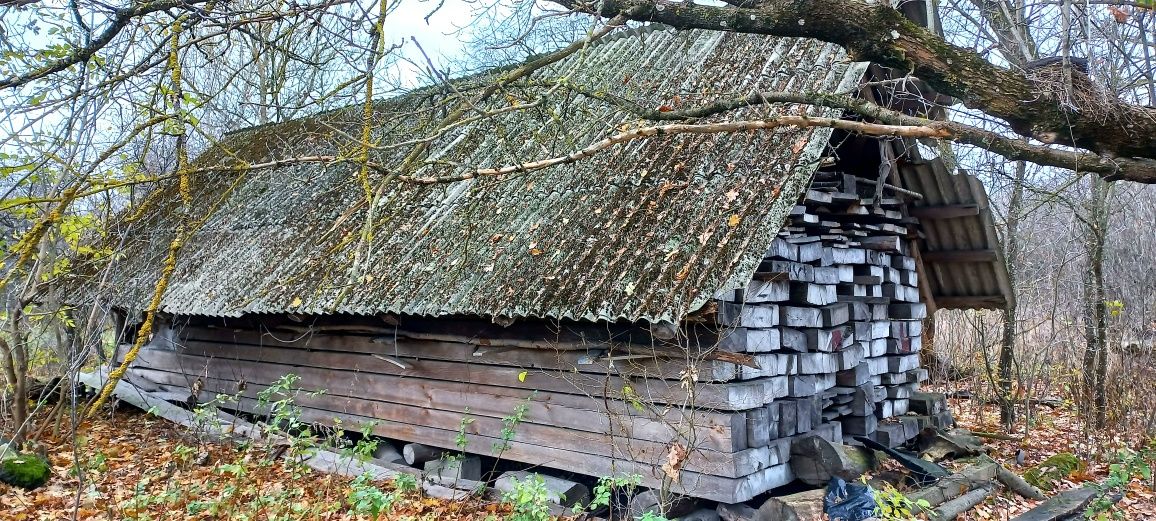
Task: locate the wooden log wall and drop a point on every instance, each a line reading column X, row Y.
column 827, row 336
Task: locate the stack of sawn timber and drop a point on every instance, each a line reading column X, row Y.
column 836, row 301
column 590, row 406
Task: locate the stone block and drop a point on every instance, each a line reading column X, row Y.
column 450, row 469
column 558, row 490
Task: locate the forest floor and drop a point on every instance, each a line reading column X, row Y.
column 141, row 467
column 1056, row 430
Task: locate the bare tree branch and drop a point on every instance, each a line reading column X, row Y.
column 873, row 129
column 1139, row 170
column 876, row 32
column 121, row 19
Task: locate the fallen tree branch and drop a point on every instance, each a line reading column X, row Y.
column 932, row 130
column 120, row 20
column 960, row 505
column 951, row 487
column 1142, row 170
column 1018, row 484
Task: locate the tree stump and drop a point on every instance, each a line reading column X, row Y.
column 815, row 461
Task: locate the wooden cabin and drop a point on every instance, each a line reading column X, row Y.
column 680, row 308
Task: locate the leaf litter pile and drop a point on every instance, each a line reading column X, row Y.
column 139, row 467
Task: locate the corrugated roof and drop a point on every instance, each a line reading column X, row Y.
column 642, row 231
column 962, row 256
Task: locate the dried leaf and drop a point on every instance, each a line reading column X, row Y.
column 675, row 457
column 799, row 146
column 1120, row 15
column 296, row 302
column 683, row 273
column 734, row 220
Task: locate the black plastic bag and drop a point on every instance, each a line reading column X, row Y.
column 849, row 502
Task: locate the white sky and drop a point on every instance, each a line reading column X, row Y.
column 441, row 36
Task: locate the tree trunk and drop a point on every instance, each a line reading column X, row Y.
column 1095, row 314
column 16, row 376
column 1007, row 411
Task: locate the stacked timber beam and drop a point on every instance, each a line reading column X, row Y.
column 604, row 407
column 837, row 296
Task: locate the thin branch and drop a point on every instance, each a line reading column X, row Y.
column 874, row 129
column 120, row 20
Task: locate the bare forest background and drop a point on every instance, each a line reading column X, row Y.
column 103, row 103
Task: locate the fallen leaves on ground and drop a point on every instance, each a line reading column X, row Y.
column 140, row 467
column 1054, row 430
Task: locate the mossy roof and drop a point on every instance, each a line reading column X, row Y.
column 649, row 230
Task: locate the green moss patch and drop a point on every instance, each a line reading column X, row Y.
column 27, row 471
column 1051, row 470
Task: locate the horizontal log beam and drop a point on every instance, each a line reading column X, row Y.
column 950, row 211
column 949, row 256
column 971, row 302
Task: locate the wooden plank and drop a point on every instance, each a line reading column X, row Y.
column 732, row 396
column 889, row 243
column 758, row 426
column 749, row 340
column 950, row 211
column 794, row 316
column 976, row 302
column 812, row 294
column 690, row 483
column 833, row 339
column 827, row 275
column 781, row 249
column 835, row 314
column 598, row 359
column 714, row 430
column 699, row 459
column 714, row 488
column 748, row 315
column 767, row 291
column 794, row 270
